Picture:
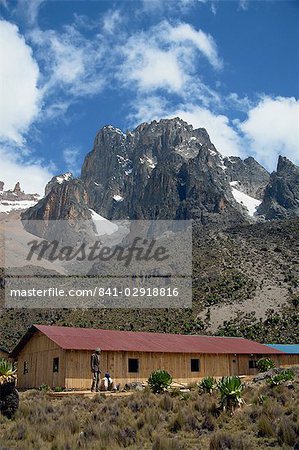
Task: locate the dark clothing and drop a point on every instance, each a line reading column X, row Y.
column 96, row 380
column 95, row 362
column 96, row 372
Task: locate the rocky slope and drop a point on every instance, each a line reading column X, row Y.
column 245, row 282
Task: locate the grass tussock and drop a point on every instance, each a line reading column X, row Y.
column 269, row 419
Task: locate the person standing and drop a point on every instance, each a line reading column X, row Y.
column 95, row 369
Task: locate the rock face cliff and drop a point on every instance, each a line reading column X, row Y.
column 281, row 199
column 63, row 211
column 251, row 176
column 161, row 170
column 168, row 170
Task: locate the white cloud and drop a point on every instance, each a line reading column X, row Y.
column 202, row 41
column 19, row 75
column 72, row 62
column 33, row 176
column 147, row 109
column 272, row 128
column 168, row 6
column 244, row 4
column 165, row 57
column 111, row 20
column 70, row 156
column 29, row 9
column 153, row 68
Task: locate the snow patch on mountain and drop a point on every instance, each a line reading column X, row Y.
column 250, row 203
column 102, row 225
column 8, row 206
column 64, row 177
column 118, row 198
column 149, row 161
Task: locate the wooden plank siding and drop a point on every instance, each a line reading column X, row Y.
column 78, row 374
column 74, row 365
column 38, row 355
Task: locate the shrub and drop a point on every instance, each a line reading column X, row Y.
column 285, row 375
column 159, row 381
column 265, row 364
column 44, row 388
column 208, row 384
column 231, row 392
column 58, row 389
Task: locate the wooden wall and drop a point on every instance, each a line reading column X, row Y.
column 289, row 360
column 74, row 366
column 38, row 354
column 78, row 374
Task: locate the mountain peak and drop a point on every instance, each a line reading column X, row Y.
column 285, row 165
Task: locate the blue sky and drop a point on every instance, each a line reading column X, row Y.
column 71, row 67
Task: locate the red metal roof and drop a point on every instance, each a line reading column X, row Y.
column 111, row 340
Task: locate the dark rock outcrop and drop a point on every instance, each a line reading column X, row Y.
column 66, row 202
column 281, row 198
column 17, row 188
column 161, row 170
column 252, row 177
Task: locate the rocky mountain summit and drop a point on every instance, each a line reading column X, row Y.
column 15, row 194
column 16, row 198
column 281, row 198
column 168, row 170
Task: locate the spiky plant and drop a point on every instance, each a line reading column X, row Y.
column 265, row 364
column 9, row 397
column 230, row 389
column 159, row 381
column 208, row 384
column 285, row 375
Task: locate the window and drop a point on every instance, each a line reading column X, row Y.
column 252, row 364
column 133, row 365
column 25, row 367
column 195, row 366
column 55, row 364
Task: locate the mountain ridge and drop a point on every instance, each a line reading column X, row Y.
column 168, row 170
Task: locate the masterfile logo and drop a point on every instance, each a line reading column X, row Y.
column 140, row 264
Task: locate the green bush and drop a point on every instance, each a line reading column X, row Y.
column 159, row 381
column 265, row 364
column 44, row 388
column 231, row 392
column 208, row 384
column 285, row 375
column 58, row 389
